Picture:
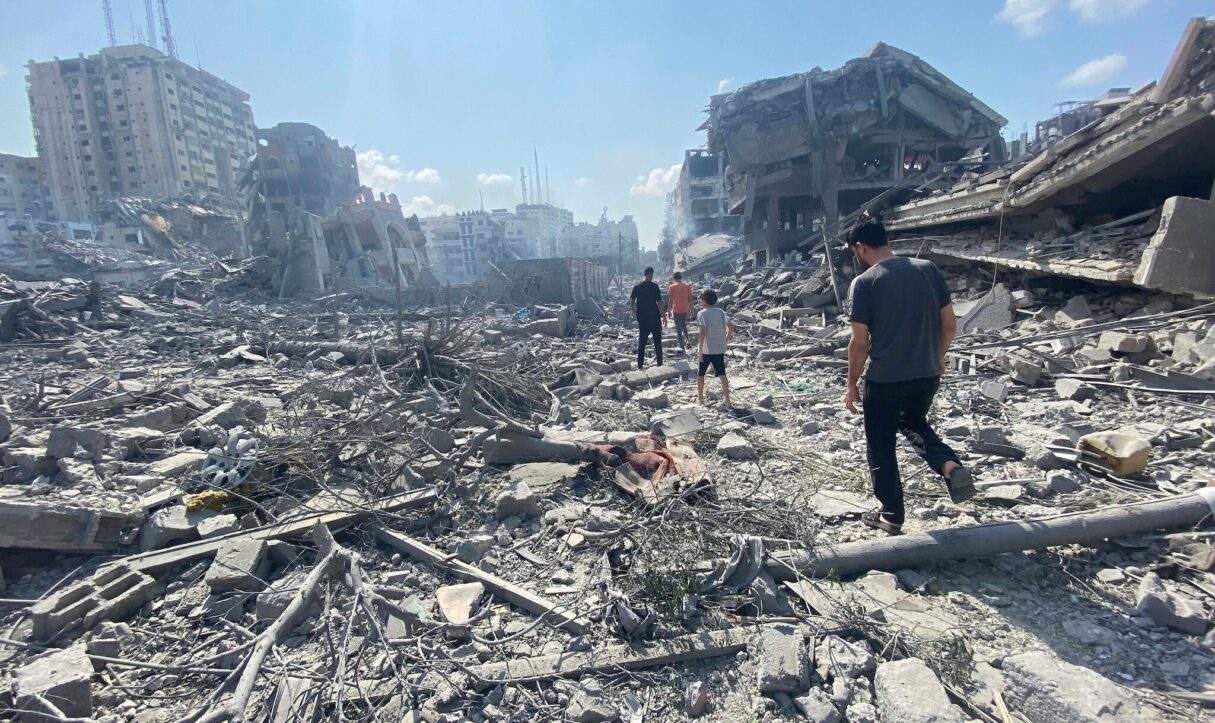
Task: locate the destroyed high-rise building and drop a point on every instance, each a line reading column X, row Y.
column 131, row 121
column 699, row 200
column 303, row 169
column 811, row 146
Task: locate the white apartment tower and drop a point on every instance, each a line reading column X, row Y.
column 131, row 121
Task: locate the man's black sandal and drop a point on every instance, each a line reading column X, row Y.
column 873, row 518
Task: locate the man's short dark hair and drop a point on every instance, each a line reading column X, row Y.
column 710, row 296
column 648, row 270
column 678, row 276
column 870, row 233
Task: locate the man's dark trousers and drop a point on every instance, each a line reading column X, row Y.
column 647, row 327
column 900, row 407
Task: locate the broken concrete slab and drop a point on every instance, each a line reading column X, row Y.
column 1074, row 389
column 61, row 677
column 842, row 659
column 171, row 525
column 676, row 424
column 817, row 707
column 1075, row 312
column 993, row 311
column 1048, row 690
column 457, row 603
column 1118, row 342
column 1168, row 609
column 653, row 399
column 1173, row 261
column 544, row 476
column 736, row 446
column 56, row 526
column 241, row 564
column 780, row 659
column 517, row 499
column 907, row 691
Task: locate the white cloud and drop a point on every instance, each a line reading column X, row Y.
column 659, row 182
column 426, row 206
column 1092, row 10
column 383, row 173
column 1027, row 15
column 724, row 83
column 581, row 182
column 426, row 175
column 1095, row 71
column 494, row 179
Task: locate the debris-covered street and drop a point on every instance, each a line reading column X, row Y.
column 262, row 463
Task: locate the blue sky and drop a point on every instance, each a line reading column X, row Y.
column 446, row 99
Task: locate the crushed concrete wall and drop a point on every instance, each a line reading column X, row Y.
column 1181, row 255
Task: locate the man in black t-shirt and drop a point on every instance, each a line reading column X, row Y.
column 646, row 302
column 902, row 323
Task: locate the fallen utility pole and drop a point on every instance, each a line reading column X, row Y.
column 927, row 548
column 558, row 615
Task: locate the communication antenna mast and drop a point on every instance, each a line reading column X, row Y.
column 110, row 35
column 548, row 190
column 536, row 178
column 147, row 6
column 523, row 184
column 169, row 43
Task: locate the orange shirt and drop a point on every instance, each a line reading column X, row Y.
column 679, row 294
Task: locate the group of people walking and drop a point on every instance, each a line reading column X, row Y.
column 714, row 327
column 902, row 323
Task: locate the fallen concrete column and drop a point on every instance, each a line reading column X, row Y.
column 927, row 548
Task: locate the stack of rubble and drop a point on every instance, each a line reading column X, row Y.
column 492, row 516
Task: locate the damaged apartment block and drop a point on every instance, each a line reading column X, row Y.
column 1126, row 199
column 802, row 149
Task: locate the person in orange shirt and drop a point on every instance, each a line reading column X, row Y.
column 679, row 298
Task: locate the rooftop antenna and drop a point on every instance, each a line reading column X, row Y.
column 523, row 184
column 548, row 191
column 147, row 6
column 536, row 178
column 169, row 43
column 481, row 193
column 110, row 35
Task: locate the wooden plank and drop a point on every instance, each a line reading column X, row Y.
column 296, row 527
column 559, row 616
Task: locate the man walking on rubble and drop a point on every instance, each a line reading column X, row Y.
column 902, row 323
column 646, row 304
column 679, row 295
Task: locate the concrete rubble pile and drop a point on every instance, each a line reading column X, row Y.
column 1125, row 199
column 494, row 516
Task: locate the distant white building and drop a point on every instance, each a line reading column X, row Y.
column 608, row 240
column 462, row 246
column 544, row 225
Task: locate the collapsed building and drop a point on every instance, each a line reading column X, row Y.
column 1126, row 199
column 317, row 226
column 808, row 147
